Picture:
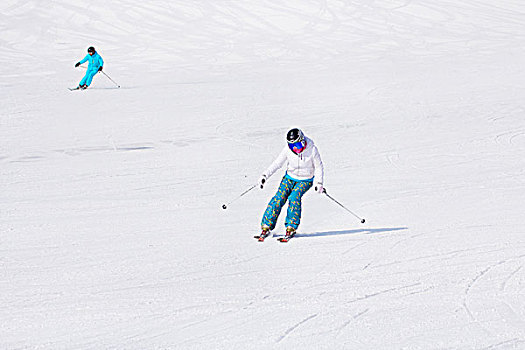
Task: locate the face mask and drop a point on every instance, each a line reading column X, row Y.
column 297, row 147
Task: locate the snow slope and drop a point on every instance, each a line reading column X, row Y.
column 112, row 234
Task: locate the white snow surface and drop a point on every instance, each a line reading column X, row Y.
column 112, row 234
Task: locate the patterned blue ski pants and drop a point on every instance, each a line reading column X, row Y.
column 291, row 190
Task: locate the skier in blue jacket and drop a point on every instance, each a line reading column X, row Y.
column 95, row 65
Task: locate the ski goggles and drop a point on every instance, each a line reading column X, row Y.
column 297, row 147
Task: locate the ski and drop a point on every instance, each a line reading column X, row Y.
column 73, row 89
column 286, row 239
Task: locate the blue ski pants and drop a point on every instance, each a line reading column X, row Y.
column 291, row 190
column 88, row 77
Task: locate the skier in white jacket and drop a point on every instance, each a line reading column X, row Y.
column 303, row 167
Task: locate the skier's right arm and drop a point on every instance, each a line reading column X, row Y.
column 84, row 59
column 277, row 163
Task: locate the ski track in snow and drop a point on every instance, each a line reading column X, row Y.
column 352, row 319
column 476, row 279
column 504, row 283
column 294, row 327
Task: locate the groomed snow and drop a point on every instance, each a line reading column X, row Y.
column 112, row 234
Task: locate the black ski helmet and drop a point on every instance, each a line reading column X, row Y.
column 91, row 49
column 294, row 135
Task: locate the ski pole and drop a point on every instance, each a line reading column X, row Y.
column 224, row 206
column 110, row 78
column 345, row 208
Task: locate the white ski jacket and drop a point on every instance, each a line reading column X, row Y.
column 302, row 166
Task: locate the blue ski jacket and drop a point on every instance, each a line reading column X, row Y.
column 95, row 61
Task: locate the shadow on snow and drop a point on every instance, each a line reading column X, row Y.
column 368, row 231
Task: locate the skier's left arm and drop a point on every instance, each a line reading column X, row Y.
column 318, row 172
column 101, row 62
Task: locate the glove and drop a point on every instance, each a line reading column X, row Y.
column 262, row 180
column 77, row 64
column 319, row 188
column 100, row 69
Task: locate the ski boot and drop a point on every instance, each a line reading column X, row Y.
column 290, row 232
column 264, row 233
column 83, row 87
